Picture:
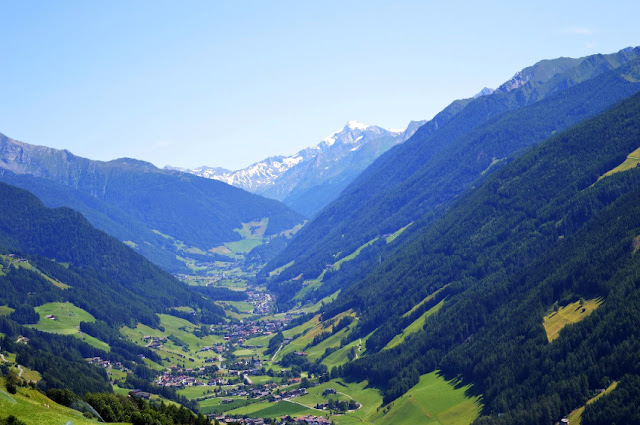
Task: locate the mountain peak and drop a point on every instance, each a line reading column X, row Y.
column 356, row 125
column 484, row 92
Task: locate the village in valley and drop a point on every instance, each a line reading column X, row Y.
column 231, row 369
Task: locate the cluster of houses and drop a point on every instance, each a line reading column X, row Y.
column 260, row 391
column 261, row 302
column 15, row 259
column 218, row 348
column 307, row 420
column 224, row 419
column 239, row 332
column 302, row 420
column 251, row 366
column 156, row 342
column 107, row 364
column 299, row 392
column 179, row 378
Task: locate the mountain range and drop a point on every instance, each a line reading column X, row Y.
column 484, row 271
column 416, row 181
column 165, row 215
column 313, row 177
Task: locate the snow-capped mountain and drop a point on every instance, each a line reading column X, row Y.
column 313, row 177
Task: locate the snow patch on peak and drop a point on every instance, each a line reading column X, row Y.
column 292, row 160
column 355, row 125
column 331, row 139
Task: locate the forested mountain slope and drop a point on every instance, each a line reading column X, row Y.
column 543, row 231
column 55, row 257
column 106, row 278
column 137, row 202
column 416, row 181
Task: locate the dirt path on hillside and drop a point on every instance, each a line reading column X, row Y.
column 276, row 353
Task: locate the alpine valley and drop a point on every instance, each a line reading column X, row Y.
column 481, row 267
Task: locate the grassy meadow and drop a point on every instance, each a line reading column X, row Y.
column 571, row 313
column 67, row 322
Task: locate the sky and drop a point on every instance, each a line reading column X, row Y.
column 191, row 83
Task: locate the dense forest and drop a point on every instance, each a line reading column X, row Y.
column 541, row 230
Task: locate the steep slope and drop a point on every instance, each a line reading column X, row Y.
column 313, row 177
column 542, row 230
column 140, row 203
column 416, row 181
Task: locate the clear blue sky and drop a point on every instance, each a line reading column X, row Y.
column 229, row 83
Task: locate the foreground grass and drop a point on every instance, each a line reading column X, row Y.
column 30, row 406
column 572, row 313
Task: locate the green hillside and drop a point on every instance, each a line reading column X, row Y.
column 34, row 408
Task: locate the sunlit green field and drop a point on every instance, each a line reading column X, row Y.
column 171, row 353
column 274, row 410
column 432, row 401
column 5, row 310
column 196, row 391
column 67, row 322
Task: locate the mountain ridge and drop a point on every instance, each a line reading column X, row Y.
column 138, row 202
column 400, row 187
column 322, row 168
